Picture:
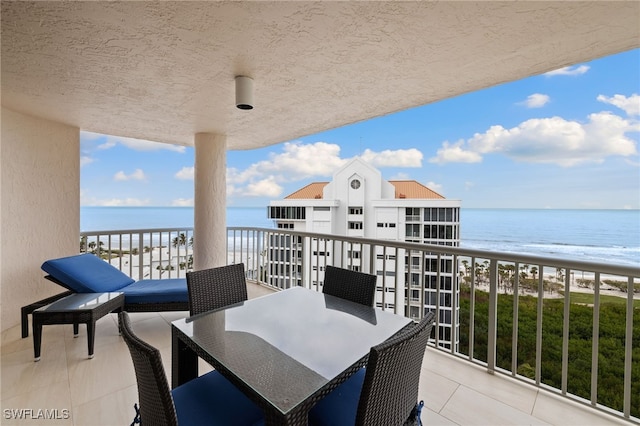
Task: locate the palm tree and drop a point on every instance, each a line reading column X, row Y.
column 180, row 240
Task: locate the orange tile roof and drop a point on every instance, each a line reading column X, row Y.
column 404, row 189
column 413, row 189
column 309, row 192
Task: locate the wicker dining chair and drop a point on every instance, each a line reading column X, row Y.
column 386, row 391
column 207, row 400
column 350, row 285
column 216, row 288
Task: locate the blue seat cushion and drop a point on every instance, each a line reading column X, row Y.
column 340, row 407
column 86, row 273
column 212, row 400
column 156, row 291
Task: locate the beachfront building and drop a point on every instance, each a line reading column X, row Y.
column 358, row 202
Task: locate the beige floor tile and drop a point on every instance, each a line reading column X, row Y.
column 113, row 409
column 46, row 405
column 12, row 341
column 20, row 374
column 432, row 418
column 154, row 330
column 106, row 334
column 496, row 386
column 435, row 390
column 172, row 316
column 141, row 316
column 562, row 411
column 470, row 407
column 107, row 372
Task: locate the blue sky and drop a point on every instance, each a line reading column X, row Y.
column 565, row 139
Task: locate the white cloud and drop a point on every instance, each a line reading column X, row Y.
column 107, row 145
column 132, row 143
column 186, row 173
column 630, row 105
column 138, row 174
column 570, row 71
column 182, row 202
column 537, row 100
column 393, row 158
column 548, row 140
column 434, row 186
column 263, row 188
column 299, row 161
column 455, row 153
column 85, row 159
column 125, row 202
column 113, row 202
column 400, row 176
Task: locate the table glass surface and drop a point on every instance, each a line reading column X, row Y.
column 288, row 345
column 79, row 301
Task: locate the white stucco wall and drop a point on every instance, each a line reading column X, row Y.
column 39, row 206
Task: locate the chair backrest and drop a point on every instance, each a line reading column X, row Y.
column 390, row 388
column 154, row 394
column 350, row 285
column 216, row 288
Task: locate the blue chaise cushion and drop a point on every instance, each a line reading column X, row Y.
column 86, row 273
column 157, row 291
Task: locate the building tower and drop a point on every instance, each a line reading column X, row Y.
column 359, row 203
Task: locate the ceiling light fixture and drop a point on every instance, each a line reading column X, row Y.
column 244, row 92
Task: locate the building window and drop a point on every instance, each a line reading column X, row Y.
column 276, row 212
column 386, row 225
column 355, row 225
column 355, row 184
column 412, row 231
column 412, row 214
column 321, row 209
column 441, row 214
column 355, row 210
column 285, row 225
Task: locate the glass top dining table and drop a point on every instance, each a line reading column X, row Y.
column 285, row 350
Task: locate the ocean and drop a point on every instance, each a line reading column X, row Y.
column 590, row 235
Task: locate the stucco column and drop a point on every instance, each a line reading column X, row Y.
column 210, row 202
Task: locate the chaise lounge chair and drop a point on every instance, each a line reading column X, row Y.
column 86, row 273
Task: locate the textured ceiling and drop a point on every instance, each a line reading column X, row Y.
column 164, row 71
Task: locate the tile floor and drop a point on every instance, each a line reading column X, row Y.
column 102, row 390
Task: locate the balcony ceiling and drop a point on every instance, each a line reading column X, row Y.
column 164, row 71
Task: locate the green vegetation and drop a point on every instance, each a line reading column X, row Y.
column 588, row 299
column 611, row 350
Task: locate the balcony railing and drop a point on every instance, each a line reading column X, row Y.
column 508, row 312
column 143, row 253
